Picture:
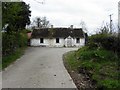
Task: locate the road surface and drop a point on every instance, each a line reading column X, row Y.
column 39, row 67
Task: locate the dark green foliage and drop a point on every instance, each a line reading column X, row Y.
column 13, row 45
column 12, row 41
column 8, row 42
column 86, row 38
column 96, row 55
column 103, row 57
column 97, row 40
column 99, row 60
column 118, row 47
column 105, row 41
column 100, row 65
column 16, row 15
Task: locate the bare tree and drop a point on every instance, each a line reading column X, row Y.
column 41, row 22
column 104, row 29
column 45, row 23
column 83, row 25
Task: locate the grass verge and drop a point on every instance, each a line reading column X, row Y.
column 7, row 60
column 94, row 68
column 72, row 64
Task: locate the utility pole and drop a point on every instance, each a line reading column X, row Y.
column 110, row 23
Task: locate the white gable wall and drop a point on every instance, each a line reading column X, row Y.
column 82, row 41
column 52, row 42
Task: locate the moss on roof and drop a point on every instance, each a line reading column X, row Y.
column 57, row 33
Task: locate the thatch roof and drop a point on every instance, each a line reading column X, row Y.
column 57, row 33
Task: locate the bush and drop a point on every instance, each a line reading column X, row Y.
column 8, row 43
column 95, row 55
column 100, row 60
column 100, row 65
column 21, row 39
column 105, row 41
column 12, row 41
column 98, row 39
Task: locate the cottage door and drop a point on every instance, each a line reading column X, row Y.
column 69, row 41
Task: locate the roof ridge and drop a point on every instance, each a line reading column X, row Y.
column 57, row 32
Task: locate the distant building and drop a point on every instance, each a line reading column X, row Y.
column 58, row 37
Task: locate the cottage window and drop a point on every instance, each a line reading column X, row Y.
column 77, row 40
column 57, row 40
column 41, row 40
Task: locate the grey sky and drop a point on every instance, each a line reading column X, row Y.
column 63, row 13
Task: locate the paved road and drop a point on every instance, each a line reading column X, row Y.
column 40, row 67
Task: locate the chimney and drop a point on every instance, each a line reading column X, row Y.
column 71, row 26
column 51, row 26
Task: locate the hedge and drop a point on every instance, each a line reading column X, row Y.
column 12, row 41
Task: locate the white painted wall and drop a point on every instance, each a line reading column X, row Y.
column 35, row 42
column 52, row 42
column 82, row 42
column 60, row 44
column 45, row 42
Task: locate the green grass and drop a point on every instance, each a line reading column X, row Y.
column 7, row 60
column 101, row 64
column 71, row 61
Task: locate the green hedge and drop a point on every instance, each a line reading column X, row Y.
column 12, row 41
column 105, row 41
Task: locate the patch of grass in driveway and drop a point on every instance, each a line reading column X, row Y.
column 7, row 60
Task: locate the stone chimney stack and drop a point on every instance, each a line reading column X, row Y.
column 71, row 26
column 51, row 26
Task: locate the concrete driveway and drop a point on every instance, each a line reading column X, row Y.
column 39, row 67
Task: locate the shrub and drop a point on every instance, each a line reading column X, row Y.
column 99, row 60
column 12, row 41
column 95, row 55
column 8, row 43
column 105, row 41
column 100, row 65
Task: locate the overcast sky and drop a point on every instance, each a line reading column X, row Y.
column 63, row 13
